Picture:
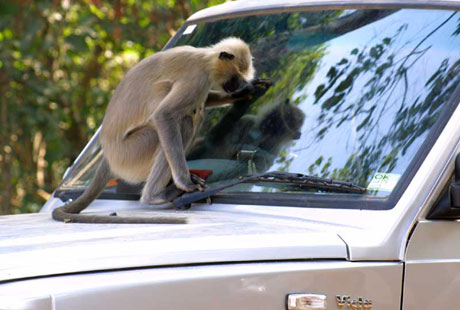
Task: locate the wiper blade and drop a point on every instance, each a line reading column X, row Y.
column 272, row 177
column 309, row 181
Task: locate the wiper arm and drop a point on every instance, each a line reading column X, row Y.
column 272, row 177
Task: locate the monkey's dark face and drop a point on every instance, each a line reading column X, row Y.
column 294, row 118
column 233, row 68
column 296, row 135
column 284, row 120
column 233, row 84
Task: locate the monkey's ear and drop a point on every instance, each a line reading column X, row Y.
column 226, row 56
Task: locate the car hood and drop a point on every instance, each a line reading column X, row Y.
column 34, row 245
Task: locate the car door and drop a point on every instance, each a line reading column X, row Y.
column 432, row 272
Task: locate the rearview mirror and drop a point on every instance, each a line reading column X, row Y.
column 448, row 206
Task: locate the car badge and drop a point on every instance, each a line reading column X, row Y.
column 345, row 302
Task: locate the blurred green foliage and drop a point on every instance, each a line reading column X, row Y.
column 59, row 62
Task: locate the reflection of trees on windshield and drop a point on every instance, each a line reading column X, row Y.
column 362, row 87
column 381, row 73
column 299, row 31
column 289, row 60
column 363, row 79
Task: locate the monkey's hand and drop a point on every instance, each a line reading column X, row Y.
column 261, row 86
column 253, row 90
column 198, row 181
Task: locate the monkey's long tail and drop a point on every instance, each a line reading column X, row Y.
column 69, row 212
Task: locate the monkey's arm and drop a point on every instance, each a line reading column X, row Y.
column 250, row 92
column 218, row 98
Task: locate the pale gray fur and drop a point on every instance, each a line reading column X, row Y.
column 156, row 111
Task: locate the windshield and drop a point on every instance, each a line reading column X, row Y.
column 355, row 96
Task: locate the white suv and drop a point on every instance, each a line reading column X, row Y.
column 362, row 126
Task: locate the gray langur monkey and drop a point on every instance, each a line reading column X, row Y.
column 270, row 130
column 152, row 119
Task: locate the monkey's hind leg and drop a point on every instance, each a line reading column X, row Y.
column 170, row 192
column 155, row 190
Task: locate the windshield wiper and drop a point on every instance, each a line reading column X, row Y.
column 272, row 177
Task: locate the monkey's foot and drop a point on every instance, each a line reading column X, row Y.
column 198, row 181
column 194, row 183
column 167, row 195
column 156, row 200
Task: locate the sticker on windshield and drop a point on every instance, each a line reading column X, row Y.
column 383, row 182
column 189, row 29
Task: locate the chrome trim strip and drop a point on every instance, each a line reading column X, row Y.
column 315, row 5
